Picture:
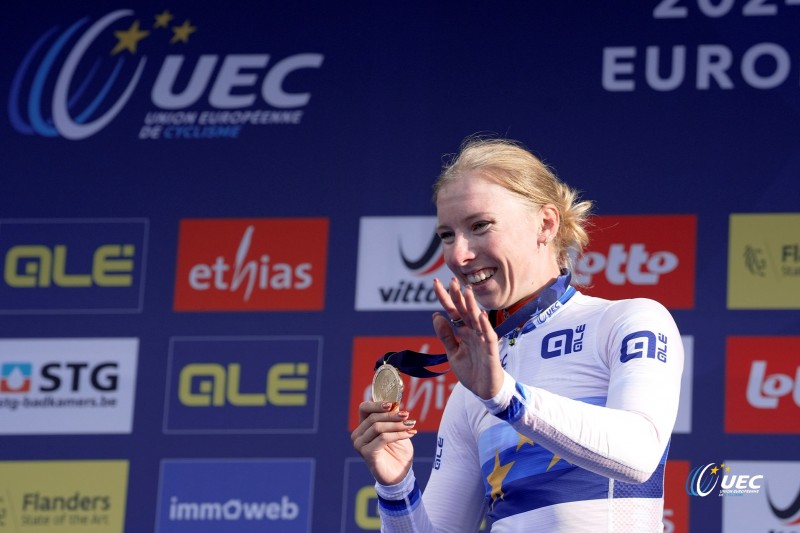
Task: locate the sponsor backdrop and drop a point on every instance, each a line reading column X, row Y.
column 215, row 217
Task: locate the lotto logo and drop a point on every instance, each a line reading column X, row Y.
column 251, row 264
column 762, row 385
column 632, row 256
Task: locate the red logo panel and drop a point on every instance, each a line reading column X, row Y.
column 423, row 398
column 251, row 264
column 641, row 257
column 762, row 385
column 676, row 500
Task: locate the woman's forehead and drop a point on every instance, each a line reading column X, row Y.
column 470, row 194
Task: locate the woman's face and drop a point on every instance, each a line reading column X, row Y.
column 490, row 237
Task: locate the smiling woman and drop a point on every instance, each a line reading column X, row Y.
column 565, row 403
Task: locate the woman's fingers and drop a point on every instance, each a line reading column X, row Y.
column 381, row 425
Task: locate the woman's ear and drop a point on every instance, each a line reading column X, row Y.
column 549, row 224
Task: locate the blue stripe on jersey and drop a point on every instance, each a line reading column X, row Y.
column 515, row 406
column 652, row 488
column 538, row 479
column 550, row 488
column 401, row 507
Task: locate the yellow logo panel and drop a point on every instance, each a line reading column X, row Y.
column 63, row 496
column 764, row 261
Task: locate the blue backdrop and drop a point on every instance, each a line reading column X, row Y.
column 338, row 112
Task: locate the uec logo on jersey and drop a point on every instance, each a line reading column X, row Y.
column 77, row 77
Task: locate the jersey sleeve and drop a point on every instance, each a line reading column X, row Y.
column 625, row 439
column 453, row 498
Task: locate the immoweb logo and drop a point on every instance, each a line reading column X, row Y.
column 65, row 86
column 233, row 510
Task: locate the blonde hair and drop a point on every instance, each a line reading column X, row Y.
column 510, row 165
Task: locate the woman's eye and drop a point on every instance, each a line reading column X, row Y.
column 446, row 236
column 480, row 226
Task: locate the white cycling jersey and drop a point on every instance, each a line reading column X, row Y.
column 576, row 440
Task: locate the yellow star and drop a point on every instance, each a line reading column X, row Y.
column 129, row 38
column 553, row 462
column 162, row 20
column 497, row 476
column 182, row 32
column 714, row 470
column 523, row 440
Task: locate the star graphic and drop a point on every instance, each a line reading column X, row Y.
column 162, row 20
column 182, row 32
column 714, row 470
column 523, row 440
column 129, row 38
column 497, row 476
column 553, row 462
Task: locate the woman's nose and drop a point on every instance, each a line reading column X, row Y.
column 462, row 250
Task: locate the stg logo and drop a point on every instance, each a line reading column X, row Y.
column 762, row 385
column 641, row 256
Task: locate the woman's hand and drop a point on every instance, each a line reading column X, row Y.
column 383, row 440
column 472, row 349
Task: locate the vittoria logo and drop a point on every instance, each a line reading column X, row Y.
column 251, row 264
column 398, row 258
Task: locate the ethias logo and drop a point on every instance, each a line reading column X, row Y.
column 251, row 264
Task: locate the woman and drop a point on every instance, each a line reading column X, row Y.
column 562, row 416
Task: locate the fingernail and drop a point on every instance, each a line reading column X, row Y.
column 409, row 422
column 411, row 431
column 402, row 414
column 386, row 406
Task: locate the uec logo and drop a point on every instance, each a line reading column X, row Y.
column 103, row 91
column 703, row 480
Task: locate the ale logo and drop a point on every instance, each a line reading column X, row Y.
column 74, row 81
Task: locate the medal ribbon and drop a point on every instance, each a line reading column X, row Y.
column 549, row 301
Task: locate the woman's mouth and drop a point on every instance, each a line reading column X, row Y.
column 480, row 276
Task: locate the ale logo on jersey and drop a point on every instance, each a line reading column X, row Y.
column 424, row 398
column 251, row 264
column 80, row 75
column 72, row 266
column 641, row 256
column 762, row 385
column 398, row 258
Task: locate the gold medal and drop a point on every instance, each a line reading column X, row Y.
column 387, row 385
